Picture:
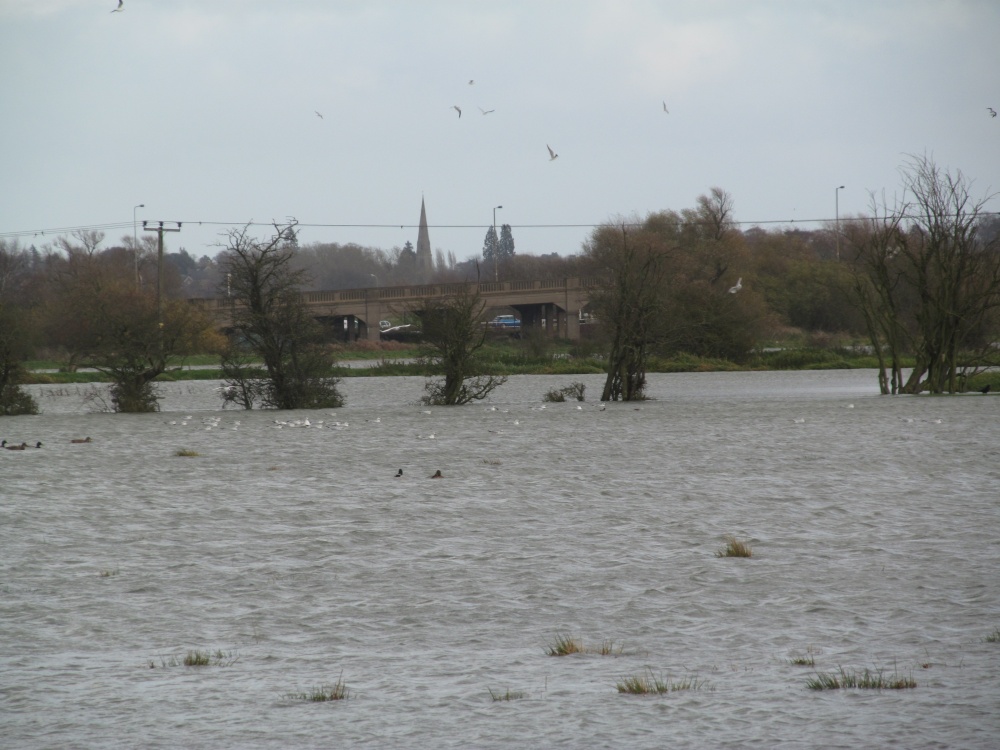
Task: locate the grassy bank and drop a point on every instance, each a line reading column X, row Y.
column 509, row 357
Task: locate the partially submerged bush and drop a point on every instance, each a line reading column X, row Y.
column 15, row 400
column 574, row 391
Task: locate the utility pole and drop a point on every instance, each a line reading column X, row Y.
column 160, row 229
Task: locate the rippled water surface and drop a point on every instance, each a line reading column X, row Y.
column 295, row 553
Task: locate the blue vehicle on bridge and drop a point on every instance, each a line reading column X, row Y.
column 505, row 322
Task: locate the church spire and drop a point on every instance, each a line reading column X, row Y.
column 425, row 261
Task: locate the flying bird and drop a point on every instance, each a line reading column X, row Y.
column 665, row 108
column 486, row 111
column 318, row 114
column 552, row 154
column 119, row 8
column 993, row 112
column 471, row 81
column 459, row 110
column 739, row 285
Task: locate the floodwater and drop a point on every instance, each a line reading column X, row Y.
column 295, row 554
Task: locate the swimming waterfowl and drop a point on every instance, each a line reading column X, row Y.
column 20, row 447
column 399, row 473
column 437, row 475
column 81, row 440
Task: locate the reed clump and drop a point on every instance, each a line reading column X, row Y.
column 646, row 683
column 735, row 548
column 184, row 452
column 507, row 695
column 993, row 637
column 867, row 679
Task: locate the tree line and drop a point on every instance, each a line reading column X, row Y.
column 918, row 278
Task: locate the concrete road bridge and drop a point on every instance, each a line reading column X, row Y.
column 553, row 306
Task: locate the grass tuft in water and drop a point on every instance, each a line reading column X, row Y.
column 804, row 661
column 735, row 548
column 107, row 573
column 564, row 646
column 186, row 453
column 608, row 648
column 993, row 637
column 336, row 692
column 646, row 683
column 507, row 695
column 207, row 659
column 867, row 679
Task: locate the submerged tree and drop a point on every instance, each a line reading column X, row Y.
column 630, row 304
column 13, row 350
column 15, row 331
column 105, row 322
column 927, row 283
column 271, row 318
column 454, row 330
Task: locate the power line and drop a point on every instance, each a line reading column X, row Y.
column 57, row 231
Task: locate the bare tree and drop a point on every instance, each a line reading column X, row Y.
column 927, row 283
column 270, row 315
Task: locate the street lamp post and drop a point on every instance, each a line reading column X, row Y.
column 378, row 308
column 836, row 201
column 496, row 274
column 135, row 245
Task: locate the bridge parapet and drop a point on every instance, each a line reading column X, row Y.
column 531, row 297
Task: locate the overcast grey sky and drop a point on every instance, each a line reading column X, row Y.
column 205, row 112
